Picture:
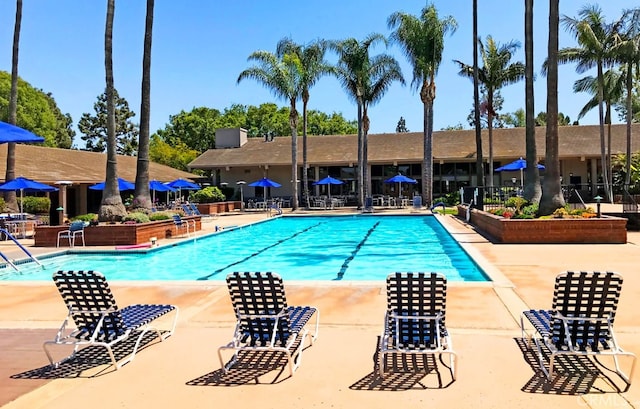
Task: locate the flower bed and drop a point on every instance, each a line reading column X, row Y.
column 113, row 234
column 605, row 229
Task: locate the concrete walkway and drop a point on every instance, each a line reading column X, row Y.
column 495, row 370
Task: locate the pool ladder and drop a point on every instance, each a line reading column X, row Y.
column 9, row 236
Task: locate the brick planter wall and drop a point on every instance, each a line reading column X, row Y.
column 606, row 229
column 217, row 207
column 113, row 234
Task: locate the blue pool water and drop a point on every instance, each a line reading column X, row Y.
column 363, row 247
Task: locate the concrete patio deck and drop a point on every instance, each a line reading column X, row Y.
column 338, row 371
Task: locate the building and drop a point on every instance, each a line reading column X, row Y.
column 73, row 171
column 238, row 158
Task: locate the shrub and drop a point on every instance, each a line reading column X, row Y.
column 89, row 217
column 207, row 195
column 32, row 204
column 159, row 216
column 137, row 217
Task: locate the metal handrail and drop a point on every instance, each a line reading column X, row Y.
column 6, row 233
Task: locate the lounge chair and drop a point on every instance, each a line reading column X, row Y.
column 187, row 209
column 580, row 321
column 182, row 225
column 98, row 320
column 75, row 230
column 194, row 210
column 264, row 321
column 416, row 204
column 415, row 318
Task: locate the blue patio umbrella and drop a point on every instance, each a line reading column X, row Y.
column 122, row 185
column 329, row 181
column 182, row 184
column 400, row 179
column 156, row 185
column 12, row 133
column 517, row 164
column 265, row 183
column 29, row 185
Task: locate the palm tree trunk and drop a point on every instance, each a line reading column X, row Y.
column 490, row 129
column 428, row 94
column 603, row 148
column 532, row 190
column 365, row 152
column 111, row 207
column 552, row 198
column 305, row 171
column 11, row 202
column 293, row 122
column 142, row 196
column 476, row 100
column 607, row 121
column 360, row 176
column 629, row 79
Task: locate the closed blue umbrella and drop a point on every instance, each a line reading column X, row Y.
column 265, row 183
column 122, row 185
column 29, row 185
column 12, row 133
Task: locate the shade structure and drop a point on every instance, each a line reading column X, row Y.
column 12, row 133
column 329, row 181
column 518, row 164
column 122, row 185
column 24, row 184
column 400, row 179
column 265, row 183
column 157, row 186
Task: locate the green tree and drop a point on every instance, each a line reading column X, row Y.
column 283, row 76
column 178, row 155
column 196, row 129
column 111, row 206
column 320, row 123
column 11, row 202
column 552, row 198
column 456, row 127
column 267, row 119
column 497, row 120
column 402, row 126
column 422, row 42
column 142, row 195
column 37, row 112
column 95, row 127
column 563, row 120
column 596, row 40
column 313, row 67
column 516, row 119
column 496, row 72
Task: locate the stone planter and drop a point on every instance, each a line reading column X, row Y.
column 607, row 229
column 113, row 234
column 217, row 207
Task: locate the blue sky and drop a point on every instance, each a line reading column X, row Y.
column 200, row 47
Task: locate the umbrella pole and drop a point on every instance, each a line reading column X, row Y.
column 521, row 178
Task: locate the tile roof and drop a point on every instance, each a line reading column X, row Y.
column 458, row 146
column 49, row 165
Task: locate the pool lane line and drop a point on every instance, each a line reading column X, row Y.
column 277, row 243
column 345, row 265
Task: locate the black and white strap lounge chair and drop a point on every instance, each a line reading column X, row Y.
column 97, row 318
column 415, row 318
column 580, row 321
column 264, row 321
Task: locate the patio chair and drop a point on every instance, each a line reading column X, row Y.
column 182, row 225
column 368, row 205
column 264, row 321
column 416, row 204
column 580, row 321
column 99, row 321
column 75, row 230
column 415, row 318
column 194, row 210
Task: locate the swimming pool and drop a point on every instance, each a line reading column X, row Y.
column 354, row 247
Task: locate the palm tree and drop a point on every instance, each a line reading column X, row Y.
column 532, row 189
column 10, row 174
column 422, row 42
column 476, row 100
column 111, row 207
column 630, row 55
column 142, row 196
column 365, row 79
column 313, row 67
column 596, row 40
column 552, row 198
column 496, row 72
column 612, row 93
column 284, row 77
